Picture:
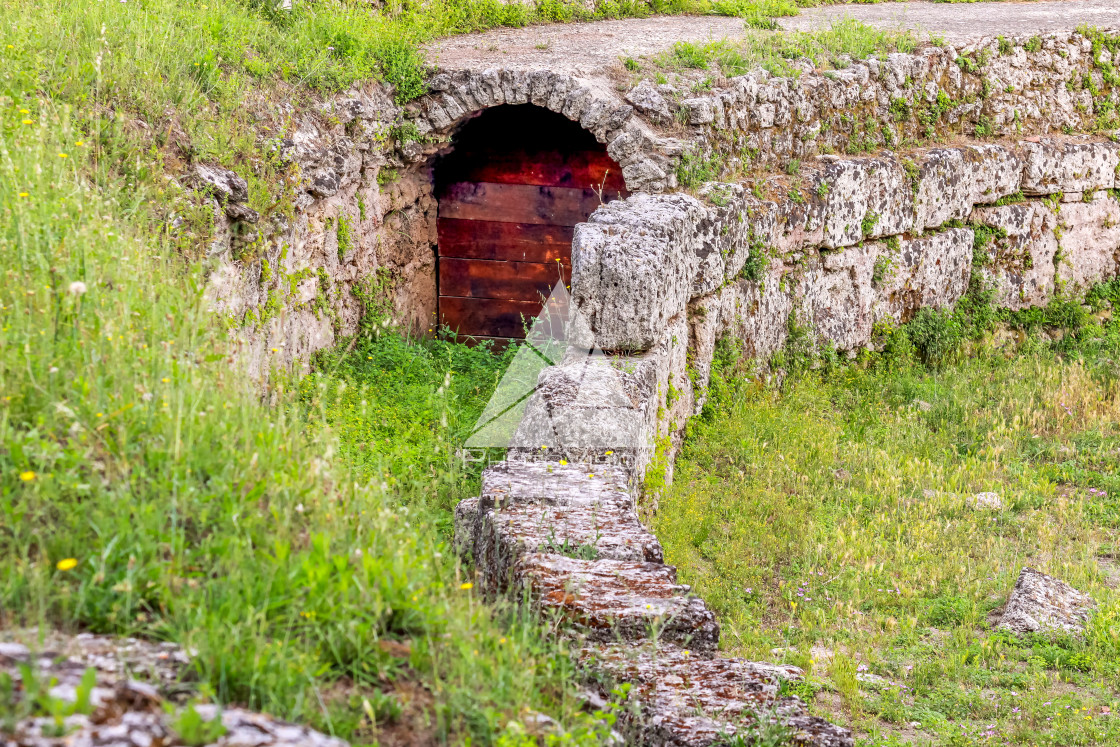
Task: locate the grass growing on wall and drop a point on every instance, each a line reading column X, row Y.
column 831, row 522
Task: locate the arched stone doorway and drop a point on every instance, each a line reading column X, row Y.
column 516, row 182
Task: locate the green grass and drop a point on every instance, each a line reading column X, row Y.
column 130, row 442
column 830, row 519
column 846, row 39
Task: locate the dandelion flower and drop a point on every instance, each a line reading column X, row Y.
column 80, row 143
column 67, row 564
column 62, row 155
column 77, row 288
column 27, row 476
column 28, row 121
column 23, row 194
column 466, row 585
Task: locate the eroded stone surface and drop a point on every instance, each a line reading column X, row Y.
column 1042, row 603
column 1051, row 166
column 1019, row 259
column 864, row 199
column 619, row 600
column 128, row 712
column 929, row 271
column 1090, row 241
column 694, row 699
column 502, row 534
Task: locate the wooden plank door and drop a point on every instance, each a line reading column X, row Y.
column 517, row 182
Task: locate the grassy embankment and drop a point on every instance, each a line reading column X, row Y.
column 831, row 521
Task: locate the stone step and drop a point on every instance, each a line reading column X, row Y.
column 515, row 526
column 609, row 531
column 690, row 698
column 618, row 600
column 555, row 483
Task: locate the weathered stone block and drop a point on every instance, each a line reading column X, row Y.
column 1020, row 263
column 503, row 534
column 865, row 198
column 931, row 270
column 610, row 600
column 995, row 172
column 837, row 297
column 942, row 188
column 1052, row 166
column 554, row 483
column 633, row 265
column 1089, row 243
column 694, row 699
column 649, row 101
column 1042, row 603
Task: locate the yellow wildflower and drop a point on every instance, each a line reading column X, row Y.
column 27, row 476
column 67, row 564
column 466, row 585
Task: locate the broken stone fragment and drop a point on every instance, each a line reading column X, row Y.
column 612, row 599
column 695, row 699
column 986, row 501
column 648, row 100
column 1041, row 603
column 221, row 183
column 241, row 213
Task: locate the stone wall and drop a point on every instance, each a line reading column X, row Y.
column 568, row 537
column 360, row 165
column 843, row 246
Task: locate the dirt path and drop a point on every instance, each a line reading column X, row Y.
column 588, row 48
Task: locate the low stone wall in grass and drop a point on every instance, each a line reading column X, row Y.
column 845, row 246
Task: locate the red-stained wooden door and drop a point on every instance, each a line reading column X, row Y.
column 516, row 183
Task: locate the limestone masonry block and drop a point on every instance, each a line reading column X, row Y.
column 866, row 198
column 1089, row 243
column 695, row 699
column 1060, row 166
column 837, row 297
column 553, row 483
column 1020, row 265
column 633, row 265
column 931, row 270
column 995, row 172
column 503, row 534
column 610, row 600
column 951, row 180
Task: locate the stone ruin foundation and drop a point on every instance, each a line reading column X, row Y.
column 834, row 244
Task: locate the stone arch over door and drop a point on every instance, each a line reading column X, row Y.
column 516, row 181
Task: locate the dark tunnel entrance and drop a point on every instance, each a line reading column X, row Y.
column 517, row 181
